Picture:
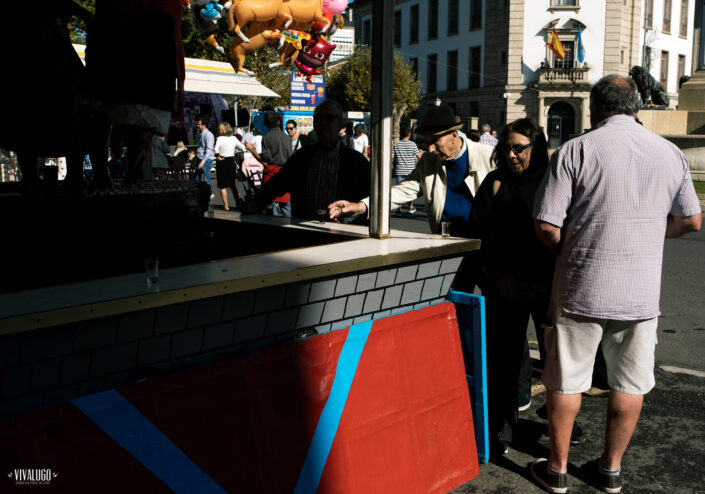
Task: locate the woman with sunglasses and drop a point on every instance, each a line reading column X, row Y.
column 516, row 268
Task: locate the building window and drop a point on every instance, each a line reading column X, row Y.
column 452, row 17
column 414, row 25
column 475, row 14
column 649, row 14
column 568, row 61
column 647, row 57
column 431, row 63
column 475, row 67
column 564, row 5
column 366, row 32
column 684, row 19
column 433, row 19
column 681, row 69
column 474, row 108
column 621, row 57
column 452, row 71
column 414, row 62
column 663, row 79
column 453, row 107
column 397, row 28
column 667, row 8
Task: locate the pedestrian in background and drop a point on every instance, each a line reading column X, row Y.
column 160, row 157
column 405, row 154
column 294, row 134
column 360, row 142
column 204, row 153
column 276, row 150
column 486, row 137
column 226, row 168
column 606, row 204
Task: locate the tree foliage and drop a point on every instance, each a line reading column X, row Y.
column 276, row 79
column 77, row 28
column 351, row 85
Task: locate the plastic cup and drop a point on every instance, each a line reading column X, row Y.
column 445, row 229
column 151, row 267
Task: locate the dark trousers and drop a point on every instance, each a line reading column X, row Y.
column 507, row 352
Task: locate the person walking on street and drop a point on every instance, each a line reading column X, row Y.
column 205, row 153
column 360, row 142
column 405, row 153
column 607, row 202
column 227, row 168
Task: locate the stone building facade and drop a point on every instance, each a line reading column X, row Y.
column 490, row 59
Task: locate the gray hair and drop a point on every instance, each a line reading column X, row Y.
column 486, row 128
column 615, row 95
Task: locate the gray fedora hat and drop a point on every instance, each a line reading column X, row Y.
column 439, row 120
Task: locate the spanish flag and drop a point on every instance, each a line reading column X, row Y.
column 555, row 45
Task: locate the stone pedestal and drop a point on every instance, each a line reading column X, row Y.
column 692, row 94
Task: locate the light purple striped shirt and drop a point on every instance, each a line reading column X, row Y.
column 488, row 139
column 611, row 191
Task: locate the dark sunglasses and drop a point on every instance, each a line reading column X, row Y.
column 290, row 128
column 517, row 148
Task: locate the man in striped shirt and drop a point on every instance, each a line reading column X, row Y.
column 404, row 155
column 604, row 207
column 317, row 174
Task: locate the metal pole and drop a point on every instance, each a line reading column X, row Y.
column 381, row 117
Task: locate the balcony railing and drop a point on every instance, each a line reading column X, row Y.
column 573, row 75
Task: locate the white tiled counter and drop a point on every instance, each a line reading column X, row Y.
column 60, row 342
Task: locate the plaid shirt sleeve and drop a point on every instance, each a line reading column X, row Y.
column 555, row 193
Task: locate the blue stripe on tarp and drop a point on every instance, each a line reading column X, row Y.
column 134, row 432
column 329, row 421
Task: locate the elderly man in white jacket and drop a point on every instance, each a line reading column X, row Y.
column 443, row 164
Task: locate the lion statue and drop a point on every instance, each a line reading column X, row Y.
column 649, row 88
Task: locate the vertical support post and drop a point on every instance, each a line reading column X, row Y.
column 381, row 117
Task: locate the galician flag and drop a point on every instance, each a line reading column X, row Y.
column 581, row 48
column 555, row 45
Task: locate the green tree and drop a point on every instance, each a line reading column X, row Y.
column 276, row 79
column 77, row 27
column 351, row 86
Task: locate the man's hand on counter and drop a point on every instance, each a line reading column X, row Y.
column 342, row 209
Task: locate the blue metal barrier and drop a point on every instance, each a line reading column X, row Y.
column 470, row 310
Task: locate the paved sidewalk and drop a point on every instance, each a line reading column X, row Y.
column 667, row 452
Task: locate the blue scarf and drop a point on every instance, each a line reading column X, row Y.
column 458, row 197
